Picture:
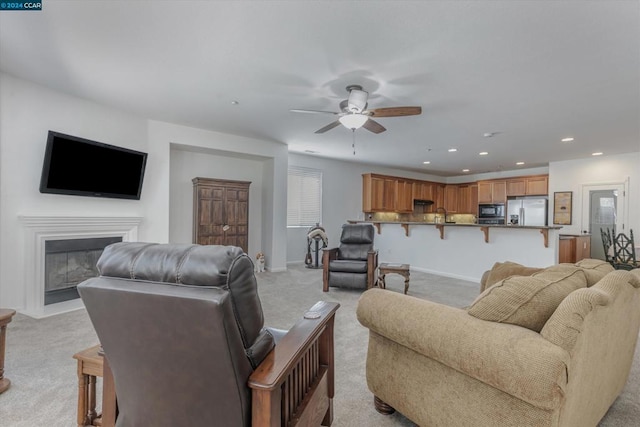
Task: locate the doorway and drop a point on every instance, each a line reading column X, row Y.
column 603, row 207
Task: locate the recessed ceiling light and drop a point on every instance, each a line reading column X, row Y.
column 489, row 134
column 569, row 139
column 483, row 153
column 235, row 102
column 452, row 150
column 427, row 163
column 519, row 163
column 465, row 170
column 310, row 151
column 598, row 153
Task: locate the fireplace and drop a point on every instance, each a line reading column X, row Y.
column 55, row 271
column 69, row 262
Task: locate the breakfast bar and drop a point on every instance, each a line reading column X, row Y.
column 464, row 250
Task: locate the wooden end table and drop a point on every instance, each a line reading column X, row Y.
column 5, row 317
column 91, row 364
column 401, row 269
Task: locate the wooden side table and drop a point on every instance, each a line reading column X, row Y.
column 401, row 269
column 91, row 364
column 5, row 317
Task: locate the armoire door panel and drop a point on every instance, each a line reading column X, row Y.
column 219, row 203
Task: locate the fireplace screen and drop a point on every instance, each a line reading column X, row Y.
column 69, row 262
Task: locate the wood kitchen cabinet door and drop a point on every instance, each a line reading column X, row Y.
column 492, row 191
column 221, row 212
column 404, row 196
column 516, row 187
column 451, row 198
column 537, row 185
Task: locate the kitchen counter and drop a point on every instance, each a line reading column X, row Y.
column 544, row 229
column 462, row 250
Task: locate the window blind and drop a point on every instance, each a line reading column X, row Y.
column 304, row 197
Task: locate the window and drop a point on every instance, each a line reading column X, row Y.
column 304, row 197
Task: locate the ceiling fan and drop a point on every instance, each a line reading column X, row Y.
column 353, row 112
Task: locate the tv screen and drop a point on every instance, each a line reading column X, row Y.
column 81, row 167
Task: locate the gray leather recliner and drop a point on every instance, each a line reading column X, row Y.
column 182, row 329
column 354, row 263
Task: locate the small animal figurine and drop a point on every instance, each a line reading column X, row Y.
column 260, row 262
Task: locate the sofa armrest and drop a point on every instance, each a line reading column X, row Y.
column 510, row 358
column 307, row 348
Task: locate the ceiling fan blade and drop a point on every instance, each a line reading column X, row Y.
column 373, row 126
column 395, row 111
column 328, row 127
column 313, row 111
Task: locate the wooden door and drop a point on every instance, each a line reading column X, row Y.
column 236, row 221
column 221, row 212
column 209, row 217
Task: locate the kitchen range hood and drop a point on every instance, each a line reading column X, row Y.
column 422, row 202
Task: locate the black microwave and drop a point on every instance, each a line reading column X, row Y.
column 494, row 210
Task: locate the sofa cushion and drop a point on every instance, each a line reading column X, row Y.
column 528, row 301
column 502, row 270
column 594, row 269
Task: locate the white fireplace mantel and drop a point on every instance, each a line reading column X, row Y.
column 39, row 229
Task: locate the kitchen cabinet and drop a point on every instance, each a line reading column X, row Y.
column 468, row 198
column 535, row 185
column 423, row 190
column 516, row 187
column 404, row 196
column 574, row 248
column 492, row 191
column 451, row 198
column 378, row 193
column 382, row 193
column 221, row 212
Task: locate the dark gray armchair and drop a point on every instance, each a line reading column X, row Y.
column 353, row 264
column 182, row 330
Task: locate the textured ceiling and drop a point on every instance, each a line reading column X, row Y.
column 532, row 72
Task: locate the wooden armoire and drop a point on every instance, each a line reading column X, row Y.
column 221, row 212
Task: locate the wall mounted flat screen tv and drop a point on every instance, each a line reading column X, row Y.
column 81, row 167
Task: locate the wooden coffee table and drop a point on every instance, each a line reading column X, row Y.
column 387, row 268
column 91, row 364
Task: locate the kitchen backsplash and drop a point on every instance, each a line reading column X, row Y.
column 414, row 217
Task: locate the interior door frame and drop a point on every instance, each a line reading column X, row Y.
column 621, row 208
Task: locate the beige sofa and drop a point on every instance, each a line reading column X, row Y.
column 553, row 348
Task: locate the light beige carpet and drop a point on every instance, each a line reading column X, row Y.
column 44, row 381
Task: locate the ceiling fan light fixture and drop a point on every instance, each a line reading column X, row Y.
column 353, row 121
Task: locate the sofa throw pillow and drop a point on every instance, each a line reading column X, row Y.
column 594, row 269
column 528, row 301
column 502, row 270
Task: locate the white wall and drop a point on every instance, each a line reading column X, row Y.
column 574, row 174
column 341, row 197
column 218, row 155
column 27, row 113
column 186, row 165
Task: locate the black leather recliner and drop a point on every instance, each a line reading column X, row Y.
column 353, row 264
column 182, row 329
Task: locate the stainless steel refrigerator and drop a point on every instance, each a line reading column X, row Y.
column 530, row 211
